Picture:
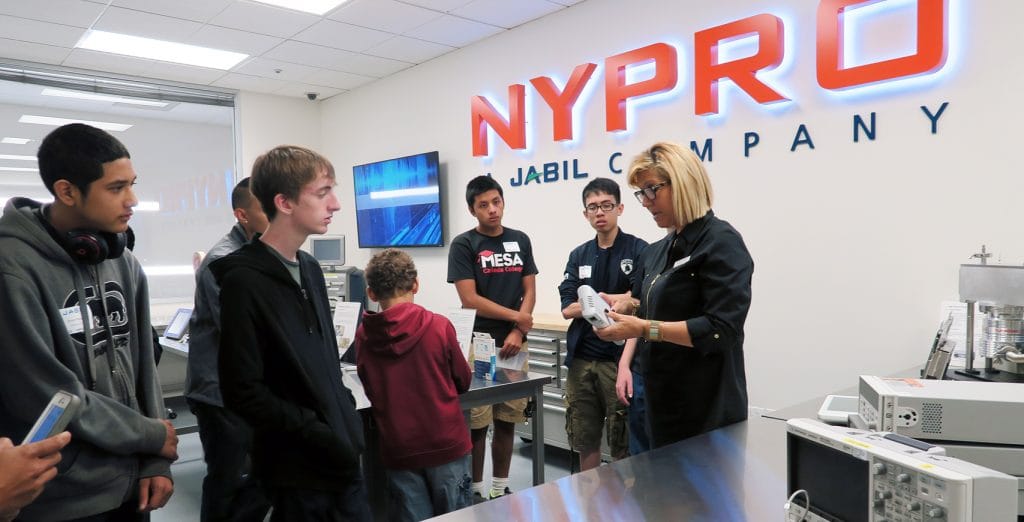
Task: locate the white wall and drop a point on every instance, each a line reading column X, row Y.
column 855, row 244
column 266, row 121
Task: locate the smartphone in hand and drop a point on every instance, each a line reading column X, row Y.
column 62, row 409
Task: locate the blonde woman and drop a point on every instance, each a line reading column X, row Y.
column 689, row 306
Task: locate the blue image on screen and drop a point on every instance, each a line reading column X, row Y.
column 47, row 424
column 398, row 202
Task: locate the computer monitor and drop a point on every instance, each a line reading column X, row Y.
column 328, row 250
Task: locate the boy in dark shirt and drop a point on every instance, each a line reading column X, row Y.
column 493, row 271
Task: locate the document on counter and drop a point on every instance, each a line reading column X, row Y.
column 516, row 362
column 346, row 317
column 352, row 381
column 462, row 319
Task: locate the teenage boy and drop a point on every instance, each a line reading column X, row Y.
column 606, row 264
column 413, row 370
column 75, row 312
column 230, row 492
column 278, row 358
column 494, row 273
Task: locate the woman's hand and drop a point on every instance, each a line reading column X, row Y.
column 625, row 327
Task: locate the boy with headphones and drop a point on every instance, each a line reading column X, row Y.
column 74, row 309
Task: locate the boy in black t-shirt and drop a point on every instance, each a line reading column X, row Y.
column 493, row 270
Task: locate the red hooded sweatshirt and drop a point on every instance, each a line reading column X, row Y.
column 413, row 371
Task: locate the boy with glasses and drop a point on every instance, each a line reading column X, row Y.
column 606, row 263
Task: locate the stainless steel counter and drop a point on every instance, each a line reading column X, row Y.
column 508, row 385
column 731, row 474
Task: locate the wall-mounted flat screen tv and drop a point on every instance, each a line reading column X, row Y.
column 398, row 202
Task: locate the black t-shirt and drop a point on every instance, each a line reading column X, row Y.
column 497, row 265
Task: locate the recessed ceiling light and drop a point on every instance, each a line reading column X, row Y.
column 79, row 95
column 17, row 157
column 162, row 50
column 47, row 120
column 15, row 141
column 317, row 7
column 148, row 206
column 18, row 169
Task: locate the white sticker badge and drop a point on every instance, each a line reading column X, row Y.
column 72, row 317
column 511, row 246
column 585, row 271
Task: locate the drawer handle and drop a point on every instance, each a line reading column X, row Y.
column 552, row 407
column 542, row 364
column 538, row 339
column 553, row 395
column 538, row 351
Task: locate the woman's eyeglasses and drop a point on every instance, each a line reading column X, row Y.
column 649, row 192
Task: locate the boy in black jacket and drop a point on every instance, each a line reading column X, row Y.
column 278, row 354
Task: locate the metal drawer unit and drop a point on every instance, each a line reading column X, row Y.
column 547, row 351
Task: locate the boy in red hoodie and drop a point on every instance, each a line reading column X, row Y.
column 413, row 372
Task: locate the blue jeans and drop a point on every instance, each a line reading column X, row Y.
column 418, row 494
column 638, row 440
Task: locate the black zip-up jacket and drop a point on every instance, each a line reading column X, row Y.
column 279, row 371
column 701, row 276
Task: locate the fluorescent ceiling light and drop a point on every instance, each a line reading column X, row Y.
column 162, row 50
column 36, row 183
column 169, row 270
column 148, row 206
column 79, row 95
column 56, row 122
column 317, row 7
column 17, row 157
column 19, row 169
column 15, row 141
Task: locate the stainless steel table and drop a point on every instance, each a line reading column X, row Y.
column 734, row 473
column 508, row 385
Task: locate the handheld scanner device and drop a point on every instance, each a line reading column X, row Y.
column 595, row 309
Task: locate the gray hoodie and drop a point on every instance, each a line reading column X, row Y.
column 117, row 435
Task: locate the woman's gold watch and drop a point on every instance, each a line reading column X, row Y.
column 653, row 331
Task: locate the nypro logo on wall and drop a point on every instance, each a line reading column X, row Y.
column 831, row 72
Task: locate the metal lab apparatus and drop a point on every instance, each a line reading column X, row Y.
column 999, row 292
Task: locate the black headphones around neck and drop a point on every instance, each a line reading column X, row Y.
column 86, row 246
column 92, row 248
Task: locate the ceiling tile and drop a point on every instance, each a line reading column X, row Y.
column 371, row 65
column 438, row 5
column 245, row 82
column 98, row 61
column 300, row 90
column 32, row 52
column 68, row 12
column 126, row 21
column 338, row 79
column 453, row 31
column 309, row 54
column 183, row 73
column 288, row 72
column 227, row 39
column 384, row 15
column 263, row 19
column 39, row 32
column 342, row 36
column 409, row 49
column 506, row 14
column 195, row 10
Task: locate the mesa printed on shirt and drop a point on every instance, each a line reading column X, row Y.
column 492, row 262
